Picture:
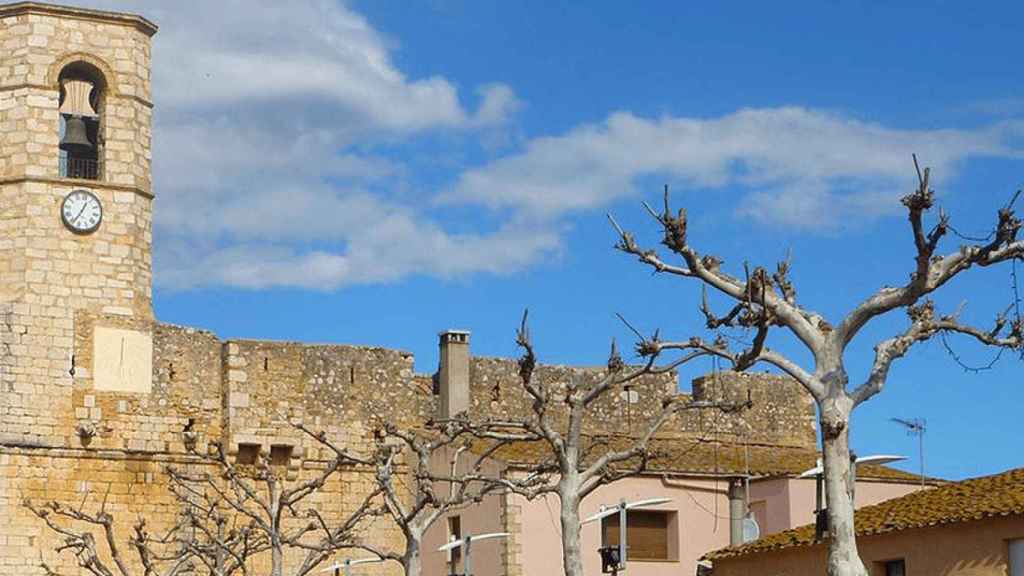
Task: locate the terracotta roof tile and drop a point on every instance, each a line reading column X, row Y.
column 974, row 499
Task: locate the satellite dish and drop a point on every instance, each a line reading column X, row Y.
column 751, row 531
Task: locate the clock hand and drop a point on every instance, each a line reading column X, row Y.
column 84, row 205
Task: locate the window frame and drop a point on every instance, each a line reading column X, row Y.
column 669, row 527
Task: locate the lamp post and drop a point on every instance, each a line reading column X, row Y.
column 818, row 473
column 346, row 565
column 466, row 543
column 607, row 555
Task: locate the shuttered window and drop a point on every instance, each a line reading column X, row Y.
column 647, row 534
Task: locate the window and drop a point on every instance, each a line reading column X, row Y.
column 895, row 568
column 248, row 454
column 1016, row 557
column 280, row 455
column 647, row 534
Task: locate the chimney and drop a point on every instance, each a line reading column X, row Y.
column 453, row 374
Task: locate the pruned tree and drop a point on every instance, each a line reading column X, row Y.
column 578, row 463
column 76, row 528
column 230, row 520
column 769, row 300
column 438, row 474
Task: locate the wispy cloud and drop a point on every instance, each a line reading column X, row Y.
column 800, row 167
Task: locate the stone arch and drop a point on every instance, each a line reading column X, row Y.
column 99, row 68
column 82, row 144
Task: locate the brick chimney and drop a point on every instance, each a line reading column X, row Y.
column 453, row 374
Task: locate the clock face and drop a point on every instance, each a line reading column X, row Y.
column 81, row 211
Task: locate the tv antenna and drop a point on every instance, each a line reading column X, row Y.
column 915, row 427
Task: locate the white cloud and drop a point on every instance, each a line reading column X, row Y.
column 816, row 167
column 267, row 163
column 280, row 156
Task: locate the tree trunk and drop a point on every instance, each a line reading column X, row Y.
column 572, row 561
column 411, row 560
column 843, row 559
column 276, row 561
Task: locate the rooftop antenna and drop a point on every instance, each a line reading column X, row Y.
column 916, row 427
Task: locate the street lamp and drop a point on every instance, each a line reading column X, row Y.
column 818, row 473
column 466, row 543
column 611, row 559
column 347, row 564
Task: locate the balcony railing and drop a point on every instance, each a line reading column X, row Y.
column 83, row 168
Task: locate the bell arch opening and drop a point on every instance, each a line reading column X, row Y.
column 82, row 105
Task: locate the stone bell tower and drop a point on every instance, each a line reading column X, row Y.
column 75, row 213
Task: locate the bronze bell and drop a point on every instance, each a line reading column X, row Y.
column 75, row 137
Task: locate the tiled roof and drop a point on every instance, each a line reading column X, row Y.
column 974, row 499
column 700, row 456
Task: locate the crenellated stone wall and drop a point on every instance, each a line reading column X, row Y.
column 781, row 411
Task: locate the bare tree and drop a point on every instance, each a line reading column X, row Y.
column 229, row 519
column 770, row 298
column 442, row 474
column 159, row 556
column 578, row 463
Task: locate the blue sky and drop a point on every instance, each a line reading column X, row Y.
column 374, row 172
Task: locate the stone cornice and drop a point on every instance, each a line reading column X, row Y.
column 140, row 23
column 113, row 95
column 78, row 182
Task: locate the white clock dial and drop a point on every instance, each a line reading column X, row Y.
column 81, row 211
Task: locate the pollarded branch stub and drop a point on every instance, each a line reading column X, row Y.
column 923, row 198
column 923, row 313
column 1009, row 225
column 648, row 347
column 782, row 281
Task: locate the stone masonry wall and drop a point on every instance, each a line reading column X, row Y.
column 781, row 413
column 497, row 391
column 232, row 392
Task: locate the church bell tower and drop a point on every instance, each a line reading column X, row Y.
column 76, row 203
